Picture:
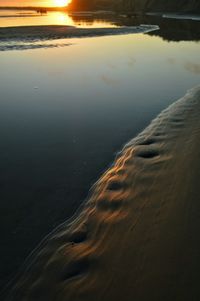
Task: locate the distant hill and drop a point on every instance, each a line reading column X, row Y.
column 180, row 6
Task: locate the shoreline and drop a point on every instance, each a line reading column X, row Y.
column 134, row 238
column 177, row 16
column 106, row 12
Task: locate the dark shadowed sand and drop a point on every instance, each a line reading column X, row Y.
column 137, row 236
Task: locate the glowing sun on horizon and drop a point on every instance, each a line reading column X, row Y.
column 61, row 2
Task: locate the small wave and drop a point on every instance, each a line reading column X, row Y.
column 182, row 17
column 26, row 46
column 18, row 16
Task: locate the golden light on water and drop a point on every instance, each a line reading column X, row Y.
column 61, row 2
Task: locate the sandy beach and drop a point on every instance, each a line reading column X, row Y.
column 35, row 37
column 136, row 237
column 51, row 32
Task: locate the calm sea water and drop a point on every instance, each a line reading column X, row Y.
column 9, row 18
column 66, row 111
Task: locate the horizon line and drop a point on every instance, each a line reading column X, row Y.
column 33, row 7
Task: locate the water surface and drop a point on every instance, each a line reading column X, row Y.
column 9, row 18
column 66, row 111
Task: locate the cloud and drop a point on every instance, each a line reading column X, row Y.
column 109, row 80
column 192, row 67
column 171, row 60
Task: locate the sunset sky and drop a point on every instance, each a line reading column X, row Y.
column 33, row 2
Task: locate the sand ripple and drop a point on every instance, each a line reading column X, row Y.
column 136, row 237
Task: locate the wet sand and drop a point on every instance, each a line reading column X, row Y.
column 51, row 32
column 136, row 237
column 35, row 37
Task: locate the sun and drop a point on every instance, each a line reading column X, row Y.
column 61, row 2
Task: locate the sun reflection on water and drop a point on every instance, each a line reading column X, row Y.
column 30, row 18
column 60, row 2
